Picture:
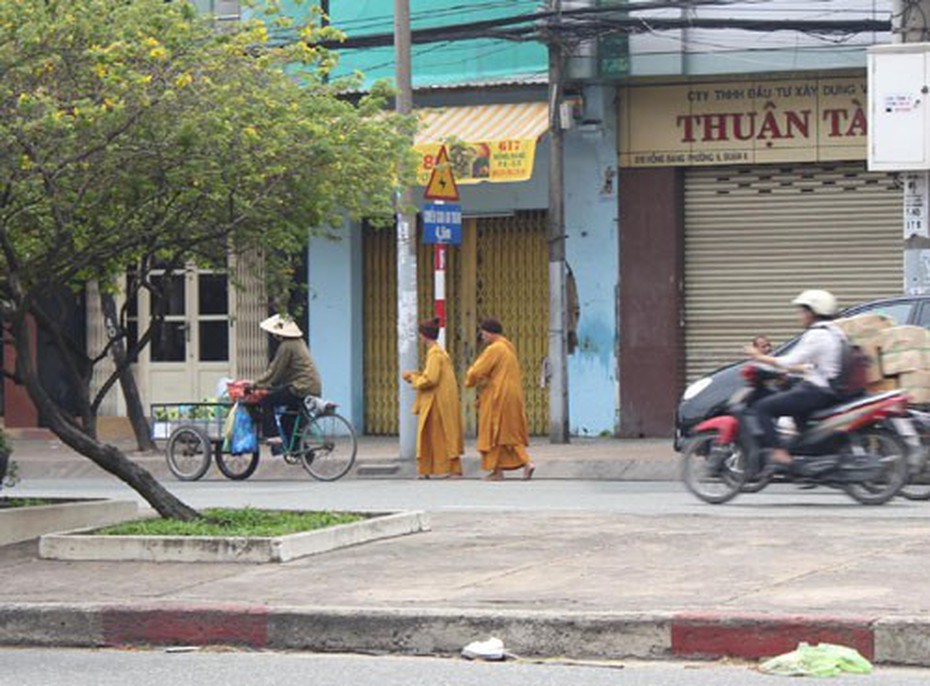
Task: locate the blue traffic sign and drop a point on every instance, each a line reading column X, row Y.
column 442, row 223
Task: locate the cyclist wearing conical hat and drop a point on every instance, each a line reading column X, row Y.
column 291, row 376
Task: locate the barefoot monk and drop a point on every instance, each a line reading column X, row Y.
column 503, row 433
column 439, row 427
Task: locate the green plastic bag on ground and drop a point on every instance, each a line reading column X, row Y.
column 822, row 660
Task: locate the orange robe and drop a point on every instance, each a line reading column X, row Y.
column 503, row 432
column 440, row 441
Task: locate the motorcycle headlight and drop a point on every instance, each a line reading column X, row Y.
column 696, row 388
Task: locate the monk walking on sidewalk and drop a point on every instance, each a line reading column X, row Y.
column 440, row 442
column 503, row 433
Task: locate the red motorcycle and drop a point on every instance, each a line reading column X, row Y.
column 854, row 446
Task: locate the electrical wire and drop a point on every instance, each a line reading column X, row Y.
column 588, row 22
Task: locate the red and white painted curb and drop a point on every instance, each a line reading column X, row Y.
column 893, row 640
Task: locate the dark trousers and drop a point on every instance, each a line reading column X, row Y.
column 279, row 397
column 799, row 403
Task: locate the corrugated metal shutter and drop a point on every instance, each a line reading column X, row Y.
column 755, row 237
column 249, row 307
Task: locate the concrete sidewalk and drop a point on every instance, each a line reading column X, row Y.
column 584, row 458
column 580, row 585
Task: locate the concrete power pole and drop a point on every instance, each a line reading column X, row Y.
column 910, row 23
column 406, row 246
column 558, row 315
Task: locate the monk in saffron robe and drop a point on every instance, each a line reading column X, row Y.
column 440, row 441
column 503, row 432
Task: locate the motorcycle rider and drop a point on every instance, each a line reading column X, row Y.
column 818, row 357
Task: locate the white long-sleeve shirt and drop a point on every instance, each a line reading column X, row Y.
column 820, row 351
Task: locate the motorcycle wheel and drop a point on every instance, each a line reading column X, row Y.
column 757, row 484
column 894, row 453
column 714, row 473
column 917, row 486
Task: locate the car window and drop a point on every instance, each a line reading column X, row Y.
column 900, row 312
column 923, row 319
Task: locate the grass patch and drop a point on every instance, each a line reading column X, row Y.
column 26, row 502
column 230, row 522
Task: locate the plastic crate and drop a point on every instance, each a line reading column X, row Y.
column 209, row 417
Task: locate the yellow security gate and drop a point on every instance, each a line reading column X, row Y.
column 513, row 286
column 380, row 322
column 500, row 270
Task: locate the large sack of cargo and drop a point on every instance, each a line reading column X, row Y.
column 904, row 349
column 865, row 331
column 887, row 383
column 917, row 385
column 865, row 327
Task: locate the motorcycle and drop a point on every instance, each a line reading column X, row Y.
column 854, row 446
column 917, row 438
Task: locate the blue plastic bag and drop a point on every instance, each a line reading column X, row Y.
column 244, row 437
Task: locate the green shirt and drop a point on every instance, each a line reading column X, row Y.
column 293, row 367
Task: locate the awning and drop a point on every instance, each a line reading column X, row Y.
column 495, row 143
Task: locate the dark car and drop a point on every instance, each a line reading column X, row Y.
column 708, row 396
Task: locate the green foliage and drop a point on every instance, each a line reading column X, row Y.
column 136, row 132
column 6, row 445
column 229, row 522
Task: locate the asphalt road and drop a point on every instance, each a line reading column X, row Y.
column 630, row 497
column 142, row 668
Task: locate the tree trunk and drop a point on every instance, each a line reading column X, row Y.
column 106, row 456
column 127, row 381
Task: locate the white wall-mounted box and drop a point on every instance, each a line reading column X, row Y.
column 899, row 107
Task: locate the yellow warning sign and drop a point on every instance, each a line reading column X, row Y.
column 442, row 184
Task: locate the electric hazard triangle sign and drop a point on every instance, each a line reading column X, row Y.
column 442, row 184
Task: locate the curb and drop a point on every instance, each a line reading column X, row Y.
column 24, row 523
column 895, row 640
column 82, row 544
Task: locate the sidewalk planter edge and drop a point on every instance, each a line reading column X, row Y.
column 24, row 523
column 80, row 545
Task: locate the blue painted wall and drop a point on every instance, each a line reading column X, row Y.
column 593, row 254
column 335, row 318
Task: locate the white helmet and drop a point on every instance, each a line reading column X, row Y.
column 822, row 303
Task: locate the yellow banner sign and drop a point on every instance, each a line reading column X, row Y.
column 494, row 161
column 744, row 122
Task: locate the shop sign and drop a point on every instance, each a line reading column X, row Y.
column 501, row 161
column 744, row 122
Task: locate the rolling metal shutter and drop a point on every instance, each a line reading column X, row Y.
column 755, row 237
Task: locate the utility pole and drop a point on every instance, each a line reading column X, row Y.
column 558, row 344
column 910, row 22
column 406, row 246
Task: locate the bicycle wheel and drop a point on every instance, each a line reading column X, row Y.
column 327, row 447
column 188, row 453
column 237, row 467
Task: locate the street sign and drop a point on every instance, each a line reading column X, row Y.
column 442, row 224
column 442, row 184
